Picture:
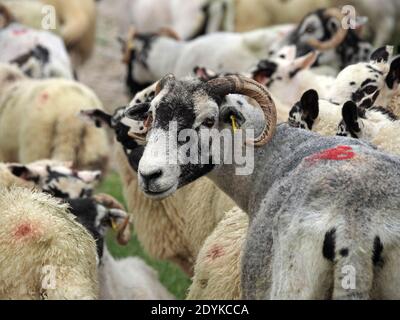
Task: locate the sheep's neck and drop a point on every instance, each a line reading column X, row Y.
column 271, row 163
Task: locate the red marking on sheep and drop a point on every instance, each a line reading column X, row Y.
column 19, row 32
column 215, row 252
column 23, row 230
column 338, row 153
column 44, row 97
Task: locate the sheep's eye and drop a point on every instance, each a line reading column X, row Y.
column 310, row 29
column 209, row 122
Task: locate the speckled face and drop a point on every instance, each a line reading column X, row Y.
column 179, row 106
column 295, row 118
column 58, row 179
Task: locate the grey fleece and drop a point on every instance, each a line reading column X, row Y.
column 316, row 214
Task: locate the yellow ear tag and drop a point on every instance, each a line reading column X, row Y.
column 234, row 123
column 113, row 225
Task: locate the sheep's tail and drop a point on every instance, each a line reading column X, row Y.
column 353, row 263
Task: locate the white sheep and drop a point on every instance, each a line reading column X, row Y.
column 75, row 22
column 46, row 253
column 188, row 19
column 375, row 83
column 284, row 70
column 375, row 125
column 39, row 120
column 218, row 264
column 232, row 52
column 39, row 53
column 128, row 278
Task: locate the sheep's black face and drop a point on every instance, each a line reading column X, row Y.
column 351, row 125
column 180, row 114
column 305, row 112
column 313, row 26
column 58, row 179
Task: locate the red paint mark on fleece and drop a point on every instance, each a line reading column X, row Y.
column 338, row 153
column 23, row 230
column 19, row 32
column 44, row 97
column 215, row 252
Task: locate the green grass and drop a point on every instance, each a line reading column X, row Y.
column 170, row 275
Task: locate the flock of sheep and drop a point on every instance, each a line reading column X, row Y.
column 323, row 100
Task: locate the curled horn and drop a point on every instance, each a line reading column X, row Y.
column 241, row 85
column 124, row 232
column 168, row 32
column 336, row 39
column 129, row 45
column 160, row 83
column 6, row 17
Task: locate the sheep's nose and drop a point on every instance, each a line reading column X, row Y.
column 151, row 175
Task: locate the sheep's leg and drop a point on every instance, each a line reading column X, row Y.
column 299, row 269
column 256, row 261
column 387, row 275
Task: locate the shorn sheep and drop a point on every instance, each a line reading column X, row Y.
column 39, row 53
column 46, row 253
column 39, row 121
column 173, row 229
column 302, row 231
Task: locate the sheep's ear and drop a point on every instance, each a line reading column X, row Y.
column 89, row 176
column 382, row 54
column 21, row 171
column 305, row 61
column 227, row 112
column 393, row 77
column 309, row 104
column 96, row 116
column 203, row 73
column 350, row 116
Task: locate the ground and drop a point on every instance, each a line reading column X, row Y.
column 105, row 74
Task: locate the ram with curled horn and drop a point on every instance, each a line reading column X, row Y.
column 296, row 195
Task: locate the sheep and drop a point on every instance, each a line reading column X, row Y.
column 46, row 253
column 189, row 19
column 375, row 125
column 75, row 22
column 39, row 120
column 322, row 30
column 366, row 84
column 173, row 229
column 302, row 231
column 204, row 74
column 96, row 213
column 218, row 264
column 285, row 71
column 39, row 53
column 232, row 52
